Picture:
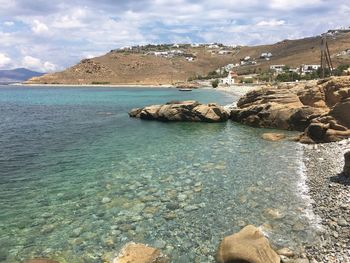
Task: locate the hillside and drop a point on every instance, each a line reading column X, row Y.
column 169, row 64
column 17, row 75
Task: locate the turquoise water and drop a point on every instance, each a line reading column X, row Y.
column 79, row 178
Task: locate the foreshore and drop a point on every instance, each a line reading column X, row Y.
column 329, row 190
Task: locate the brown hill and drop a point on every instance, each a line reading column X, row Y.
column 141, row 65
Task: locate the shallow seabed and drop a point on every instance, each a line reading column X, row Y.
column 79, row 179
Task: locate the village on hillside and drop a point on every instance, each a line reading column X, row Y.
column 249, row 69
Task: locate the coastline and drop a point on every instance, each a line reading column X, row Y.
column 237, row 90
column 330, row 195
column 94, row 85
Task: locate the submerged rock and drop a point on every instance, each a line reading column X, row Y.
column 41, row 260
column 249, row 246
column 273, row 137
column 191, row 111
column 140, row 253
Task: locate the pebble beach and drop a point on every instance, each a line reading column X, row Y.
column 329, row 190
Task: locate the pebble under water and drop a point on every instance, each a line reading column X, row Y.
column 79, row 178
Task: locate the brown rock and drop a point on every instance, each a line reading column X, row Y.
column 249, row 246
column 182, row 111
column 273, row 136
column 135, row 113
column 140, row 253
column 317, row 132
column 341, row 112
column 346, row 169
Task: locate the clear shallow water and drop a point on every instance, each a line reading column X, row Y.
column 78, row 178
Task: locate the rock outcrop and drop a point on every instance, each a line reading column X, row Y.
column 140, row 253
column 346, row 169
column 249, row 246
column 319, row 109
column 190, row 111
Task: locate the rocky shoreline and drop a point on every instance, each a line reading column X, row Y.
column 329, row 190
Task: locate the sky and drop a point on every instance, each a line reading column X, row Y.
column 50, row 35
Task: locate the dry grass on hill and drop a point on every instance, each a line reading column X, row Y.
column 139, row 68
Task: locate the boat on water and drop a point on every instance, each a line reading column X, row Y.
column 185, row 89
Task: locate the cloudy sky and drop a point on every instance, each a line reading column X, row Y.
column 49, row 35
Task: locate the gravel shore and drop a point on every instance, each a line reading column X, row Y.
column 330, row 191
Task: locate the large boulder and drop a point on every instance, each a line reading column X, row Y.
column 346, row 169
column 268, row 108
column 341, row 112
column 140, row 253
column 248, row 246
column 182, row 111
column 302, row 117
column 320, row 109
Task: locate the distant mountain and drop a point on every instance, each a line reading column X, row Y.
column 17, row 75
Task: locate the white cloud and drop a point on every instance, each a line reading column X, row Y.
column 4, row 60
column 271, row 22
column 9, row 23
column 79, row 30
column 39, row 27
column 293, row 4
column 36, row 64
column 72, row 20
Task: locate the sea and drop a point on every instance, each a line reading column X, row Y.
column 79, row 178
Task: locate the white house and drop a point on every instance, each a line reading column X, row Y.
column 309, row 68
column 277, row 68
column 225, row 52
column 230, row 79
column 213, row 46
column 266, row 55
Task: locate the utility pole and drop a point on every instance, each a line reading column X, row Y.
column 326, row 62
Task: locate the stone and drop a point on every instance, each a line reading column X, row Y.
column 190, row 208
column 191, row 111
column 170, row 216
column 140, row 253
column 301, row 260
column 76, row 232
column 41, row 260
column 106, row 200
column 346, row 169
column 285, row 252
column 273, row 137
column 342, row 222
column 249, row 246
column 273, row 213
column 173, row 206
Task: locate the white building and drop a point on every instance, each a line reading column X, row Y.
column 225, row 52
column 309, row 68
column 213, row 46
column 277, row 68
column 230, row 79
column 266, row 55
